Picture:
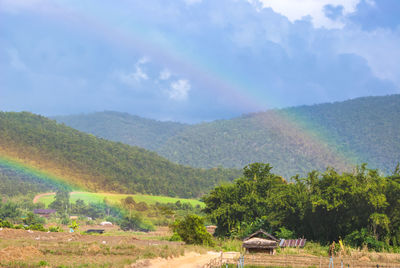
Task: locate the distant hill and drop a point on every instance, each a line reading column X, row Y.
column 96, row 164
column 114, row 126
column 294, row 140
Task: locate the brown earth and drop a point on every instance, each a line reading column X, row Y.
column 189, row 260
column 22, row 247
column 355, row 260
column 128, row 249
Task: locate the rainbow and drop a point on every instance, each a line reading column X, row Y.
column 30, row 171
column 219, row 83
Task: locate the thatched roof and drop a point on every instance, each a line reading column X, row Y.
column 260, row 233
column 260, row 243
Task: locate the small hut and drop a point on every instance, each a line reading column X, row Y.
column 261, row 241
column 44, row 212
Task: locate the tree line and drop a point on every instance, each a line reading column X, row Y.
column 362, row 207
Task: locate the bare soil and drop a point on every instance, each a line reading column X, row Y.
column 360, row 259
column 26, row 248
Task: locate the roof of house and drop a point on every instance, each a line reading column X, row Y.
column 44, row 211
column 260, row 243
column 260, row 233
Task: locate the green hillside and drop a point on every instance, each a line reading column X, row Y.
column 99, row 165
column 365, row 129
column 294, row 140
column 14, row 183
column 114, row 126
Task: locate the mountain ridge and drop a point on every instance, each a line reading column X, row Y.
column 97, row 164
column 294, row 140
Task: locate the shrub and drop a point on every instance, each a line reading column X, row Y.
column 361, row 238
column 32, row 219
column 55, row 229
column 19, row 226
column 137, row 223
column 5, row 224
column 36, row 227
column 192, row 230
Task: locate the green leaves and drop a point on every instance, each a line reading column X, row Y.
column 192, row 230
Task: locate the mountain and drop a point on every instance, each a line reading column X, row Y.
column 114, row 126
column 293, row 140
column 85, row 161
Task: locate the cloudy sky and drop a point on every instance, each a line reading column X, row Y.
column 194, row 60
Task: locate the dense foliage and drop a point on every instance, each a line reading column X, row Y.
column 361, row 207
column 293, row 140
column 97, row 164
column 191, row 229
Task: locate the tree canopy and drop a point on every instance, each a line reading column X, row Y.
column 321, row 206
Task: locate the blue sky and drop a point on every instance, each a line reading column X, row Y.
column 194, row 60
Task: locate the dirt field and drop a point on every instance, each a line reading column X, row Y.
column 22, row 248
column 357, row 259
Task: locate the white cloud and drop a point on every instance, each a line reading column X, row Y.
column 380, row 48
column 165, row 74
column 298, row 9
column 179, row 90
column 135, row 77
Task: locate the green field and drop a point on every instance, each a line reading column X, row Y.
column 116, row 198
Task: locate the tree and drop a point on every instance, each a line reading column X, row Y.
column 61, row 202
column 250, row 198
column 9, row 211
column 136, row 222
column 192, row 230
column 129, row 203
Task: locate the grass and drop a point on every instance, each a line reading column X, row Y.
column 116, row 198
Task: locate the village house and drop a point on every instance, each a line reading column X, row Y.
column 44, row 212
column 261, row 241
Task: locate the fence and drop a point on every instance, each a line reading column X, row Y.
column 263, row 260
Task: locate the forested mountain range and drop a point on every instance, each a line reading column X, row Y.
column 293, row 140
column 96, row 164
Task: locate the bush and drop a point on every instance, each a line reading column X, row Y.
column 5, row 224
column 65, row 220
column 36, row 227
column 32, row 219
column 137, row 223
column 192, row 230
column 55, row 229
column 361, row 238
column 19, row 226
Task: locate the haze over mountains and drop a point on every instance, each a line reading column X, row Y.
column 294, row 140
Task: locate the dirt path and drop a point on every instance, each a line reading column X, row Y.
column 37, row 197
column 189, row 260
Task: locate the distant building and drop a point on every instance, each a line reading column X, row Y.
column 44, row 212
column 211, row 229
column 261, row 241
